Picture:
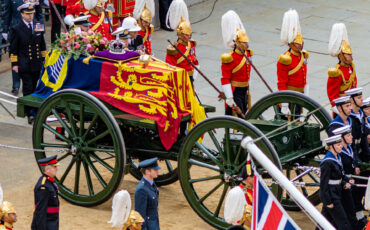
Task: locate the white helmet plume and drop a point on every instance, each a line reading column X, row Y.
column 139, row 7
column 337, row 36
column 177, row 11
column 234, row 205
column 1, row 195
column 230, row 22
column 290, row 27
column 121, row 207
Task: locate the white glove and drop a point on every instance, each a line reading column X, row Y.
column 69, row 20
column 195, row 74
column 5, row 36
column 230, row 102
column 285, row 108
column 227, row 91
column 335, row 109
column 306, row 89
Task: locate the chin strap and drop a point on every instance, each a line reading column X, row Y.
column 344, row 112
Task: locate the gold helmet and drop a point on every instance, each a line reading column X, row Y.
column 5, row 209
column 146, row 15
column 241, row 36
column 101, row 3
column 291, row 28
column 133, row 220
column 338, row 41
column 178, row 17
column 144, row 10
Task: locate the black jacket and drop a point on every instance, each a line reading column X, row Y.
column 27, row 48
column 46, row 214
column 136, row 44
column 360, row 144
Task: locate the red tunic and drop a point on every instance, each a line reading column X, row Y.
column 100, row 24
column 292, row 81
column 240, row 78
column 172, row 57
column 74, row 8
column 146, row 34
column 248, row 192
column 341, row 78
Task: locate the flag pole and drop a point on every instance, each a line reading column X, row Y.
column 258, row 155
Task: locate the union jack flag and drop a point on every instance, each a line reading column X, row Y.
column 268, row 214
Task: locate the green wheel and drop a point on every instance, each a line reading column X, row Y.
column 92, row 168
column 301, row 157
column 210, row 160
column 167, row 174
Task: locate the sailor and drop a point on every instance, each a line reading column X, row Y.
column 292, row 65
column 143, row 13
column 146, row 194
column 343, row 109
column 236, row 210
column 350, row 167
column 8, row 215
column 366, row 110
column 101, row 18
column 343, row 76
column 27, row 51
column 135, row 40
column 332, row 182
column 360, row 144
column 235, row 67
column 81, row 23
column 122, row 213
column 178, row 19
column 46, row 214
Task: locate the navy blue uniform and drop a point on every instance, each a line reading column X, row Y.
column 46, row 214
column 360, row 143
column 332, row 180
column 337, row 123
column 146, row 203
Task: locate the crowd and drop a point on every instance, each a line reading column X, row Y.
column 349, row 132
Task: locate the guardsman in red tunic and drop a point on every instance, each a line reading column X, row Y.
column 184, row 43
column 74, row 8
column 143, row 13
column 235, row 67
column 8, row 215
column 100, row 17
column 292, row 65
column 343, row 76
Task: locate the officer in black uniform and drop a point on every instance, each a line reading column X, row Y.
column 350, row 167
column 46, row 214
column 28, row 50
column 11, row 18
column 360, row 145
column 332, row 181
column 146, row 194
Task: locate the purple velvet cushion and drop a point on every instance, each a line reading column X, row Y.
column 128, row 55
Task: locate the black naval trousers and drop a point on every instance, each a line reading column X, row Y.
column 336, row 215
column 241, row 100
column 29, row 80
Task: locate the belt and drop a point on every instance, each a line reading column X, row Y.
column 335, row 182
column 50, row 209
column 358, row 141
column 298, row 89
column 239, row 83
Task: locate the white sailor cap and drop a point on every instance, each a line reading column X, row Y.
column 26, row 7
column 353, row 92
column 333, row 140
column 342, row 100
column 82, row 20
column 342, row 130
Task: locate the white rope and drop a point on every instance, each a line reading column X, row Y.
column 34, row 150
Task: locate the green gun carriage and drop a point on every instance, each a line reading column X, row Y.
column 103, row 143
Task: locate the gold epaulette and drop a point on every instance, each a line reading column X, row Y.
column 250, row 52
column 13, row 58
column 43, row 181
column 170, row 50
column 151, row 28
column 333, row 72
column 306, row 54
column 285, row 59
column 194, row 42
column 226, row 58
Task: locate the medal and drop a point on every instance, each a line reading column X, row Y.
column 38, row 27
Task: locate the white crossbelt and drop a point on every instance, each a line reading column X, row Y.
column 334, row 182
